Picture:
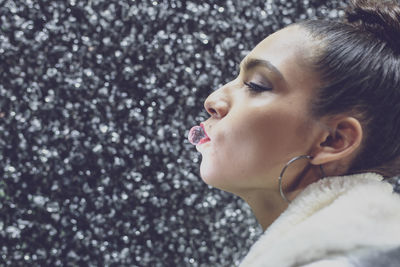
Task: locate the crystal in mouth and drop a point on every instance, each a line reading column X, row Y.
column 205, row 139
column 197, row 135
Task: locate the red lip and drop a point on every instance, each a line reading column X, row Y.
column 206, row 138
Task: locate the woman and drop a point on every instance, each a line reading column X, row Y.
column 313, row 119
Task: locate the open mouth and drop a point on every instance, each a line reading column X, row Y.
column 206, row 138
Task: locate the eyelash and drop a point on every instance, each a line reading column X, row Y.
column 256, row 88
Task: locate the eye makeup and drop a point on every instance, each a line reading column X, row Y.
column 257, row 88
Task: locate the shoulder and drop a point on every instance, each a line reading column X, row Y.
column 330, row 222
column 389, row 257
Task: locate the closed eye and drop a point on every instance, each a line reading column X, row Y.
column 256, row 88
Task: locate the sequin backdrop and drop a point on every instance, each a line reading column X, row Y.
column 96, row 99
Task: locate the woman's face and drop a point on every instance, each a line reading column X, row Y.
column 255, row 130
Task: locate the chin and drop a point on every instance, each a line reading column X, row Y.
column 216, row 179
column 208, row 175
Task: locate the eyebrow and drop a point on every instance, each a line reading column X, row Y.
column 250, row 63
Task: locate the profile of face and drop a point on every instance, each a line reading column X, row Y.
column 261, row 119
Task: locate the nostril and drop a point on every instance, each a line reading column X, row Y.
column 209, row 108
column 212, row 111
column 216, row 106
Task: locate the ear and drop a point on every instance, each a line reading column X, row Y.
column 342, row 141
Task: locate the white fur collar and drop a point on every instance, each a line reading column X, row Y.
column 331, row 217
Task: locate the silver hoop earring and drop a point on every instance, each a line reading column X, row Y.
column 284, row 169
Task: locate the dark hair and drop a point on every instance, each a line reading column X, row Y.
column 358, row 62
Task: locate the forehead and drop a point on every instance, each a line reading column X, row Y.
column 288, row 44
column 287, row 50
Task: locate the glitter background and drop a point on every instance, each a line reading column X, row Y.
column 96, row 99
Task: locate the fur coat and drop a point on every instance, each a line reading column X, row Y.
column 343, row 221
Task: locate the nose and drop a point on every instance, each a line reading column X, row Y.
column 217, row 104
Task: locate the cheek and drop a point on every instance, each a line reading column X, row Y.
column 255, row 148
column 226, row 160
column 264, row 145
column 244, row 153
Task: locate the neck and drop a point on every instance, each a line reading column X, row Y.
column 266, row 205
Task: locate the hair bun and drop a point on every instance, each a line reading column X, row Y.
column 380, row 17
